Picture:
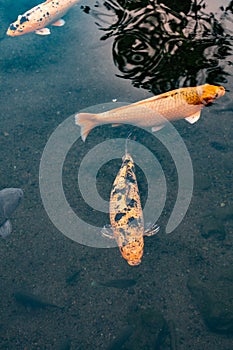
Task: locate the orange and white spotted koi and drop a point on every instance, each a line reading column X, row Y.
column 154, row 112
column 126, row 215
column 40, row 16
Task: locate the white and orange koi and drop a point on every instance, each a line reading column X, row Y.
column 154, row 112
column 126, row 215
column 40, row 16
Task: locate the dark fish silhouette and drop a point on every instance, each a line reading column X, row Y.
column 32, row 301
column 120, row 283
column 119, row 342
column 73, row 278
column 9, row 201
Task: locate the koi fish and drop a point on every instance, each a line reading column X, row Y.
column 155, row 111
column 9, row 201
column 40, row 16
column 126, row 215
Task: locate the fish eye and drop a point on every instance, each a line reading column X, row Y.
column 137, row 58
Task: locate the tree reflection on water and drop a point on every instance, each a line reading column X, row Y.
column 162, row 45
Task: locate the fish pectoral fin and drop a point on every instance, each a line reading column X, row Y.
column 5, row 229
column 59, row 23
column 152, row 230
column 107, row 232
column 193, row 118
column 43, row 31
column 157, row 128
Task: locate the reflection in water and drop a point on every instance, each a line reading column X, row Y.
column 165, row 45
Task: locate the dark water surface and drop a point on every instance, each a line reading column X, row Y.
column 58, row 294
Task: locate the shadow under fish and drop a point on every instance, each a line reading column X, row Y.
column 10, row 198
column 73, row 278
column 33, row 302
column 118, row 283
column 121, row 339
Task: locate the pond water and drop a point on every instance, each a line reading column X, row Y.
column 62, row 293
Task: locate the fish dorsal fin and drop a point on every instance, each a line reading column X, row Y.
column 193, row 118
column 158, row 97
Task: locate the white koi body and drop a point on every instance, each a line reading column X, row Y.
column 155, row 111
column 40, row 16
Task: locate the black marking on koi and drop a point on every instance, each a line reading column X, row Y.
column 118, row 216
column 132, row 221
column 13, row 27
column 130, row 178
column 118, row 190
column 132, row 203
column 23, row 19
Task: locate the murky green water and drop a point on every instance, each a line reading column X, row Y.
column 180, row 297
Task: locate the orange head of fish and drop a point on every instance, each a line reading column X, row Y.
column 132, row 252
column 19, row 27
column 209, row 93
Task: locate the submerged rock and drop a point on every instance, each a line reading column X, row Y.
column 215, row 301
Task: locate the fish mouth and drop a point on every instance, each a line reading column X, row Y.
column 134, row 262
column 221, row 91
column 11, row 32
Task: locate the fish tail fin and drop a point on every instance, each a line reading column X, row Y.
column 5, row 229
column 126, row 142
column 87, row 122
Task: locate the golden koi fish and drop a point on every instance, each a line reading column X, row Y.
column 36, row 19
column 155, row 111
column 126, row 216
